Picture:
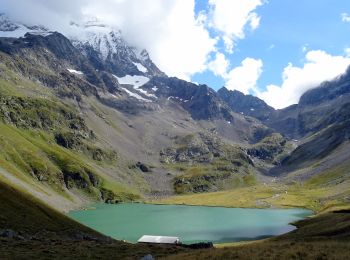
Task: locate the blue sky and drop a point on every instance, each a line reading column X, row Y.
column 288, row 29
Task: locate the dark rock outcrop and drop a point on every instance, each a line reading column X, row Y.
column 199, row 100
column 246, row 104
column 143, row 167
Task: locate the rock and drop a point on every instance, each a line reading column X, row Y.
column 248, row 104
column 8, row 233
column 147, row 257
column 82, row 236
column 143, row 167
column 200, row 245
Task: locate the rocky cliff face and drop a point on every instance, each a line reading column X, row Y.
column 245, row 104
column 199, row 100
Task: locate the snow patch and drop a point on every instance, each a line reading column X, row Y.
column 137, row 96
column 21, row 31
column 140, row 67
column 177, row 98
column 17, row 30
column 75, row 71
column 41, row 33
column 101, row 39
column 136, row 81
column 145, row 92
column 154, row 88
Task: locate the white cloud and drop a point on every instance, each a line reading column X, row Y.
column 345, row 17
column 254, row 21
column 272, row 46
column 184, row 45
column 52, row 14
column 347, row 52
column 244, row 78
column 219, row 65
column 230, row 18
column 176, row 39
column 305, row 47
column 319, row 66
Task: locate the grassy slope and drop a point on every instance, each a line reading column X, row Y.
column 268, row 196
column 25, row 151
column 46, row 233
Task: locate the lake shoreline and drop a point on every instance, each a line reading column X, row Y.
column 129, row 221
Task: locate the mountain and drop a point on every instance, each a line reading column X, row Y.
column 317, row 109
column 114, row 107
column 245, row 104
column 134, row 118
column 320, row 122
column 108, row 51
column 88, row 118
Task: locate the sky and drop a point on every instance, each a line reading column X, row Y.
column 273, row 49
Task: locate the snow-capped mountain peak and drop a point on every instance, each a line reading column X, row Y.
column 107, row 44
column 12, row 29
column 100, row 43
column 105, row 40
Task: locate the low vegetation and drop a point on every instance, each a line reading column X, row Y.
column 34, row 153
column 272, row 195
column 273, row 148
column 205, row 163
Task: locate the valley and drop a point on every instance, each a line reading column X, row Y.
column 94, row 120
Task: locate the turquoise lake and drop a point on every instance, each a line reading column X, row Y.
column 191, row 223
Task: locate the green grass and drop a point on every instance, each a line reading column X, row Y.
column 14, row 84
column 218, row 175
column 273, row 195
column 32, row 153
column 22, row 212
column 337, row 174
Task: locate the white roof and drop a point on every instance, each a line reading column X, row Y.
column 158, row 239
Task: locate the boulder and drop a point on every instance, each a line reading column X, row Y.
column 143, row 167
column 8, row 233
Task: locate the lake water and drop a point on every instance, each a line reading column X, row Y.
column 191, row 223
